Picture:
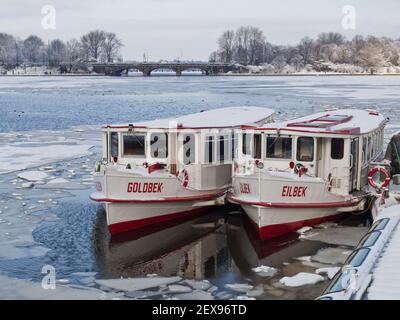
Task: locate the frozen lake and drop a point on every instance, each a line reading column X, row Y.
column 49, row 135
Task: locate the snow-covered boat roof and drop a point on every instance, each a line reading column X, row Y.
column 215, row 118
column 341, row 121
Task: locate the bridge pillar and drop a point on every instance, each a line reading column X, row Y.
column 146, row 71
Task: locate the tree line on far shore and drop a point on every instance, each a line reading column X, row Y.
column 330, row 51
column 97, row 45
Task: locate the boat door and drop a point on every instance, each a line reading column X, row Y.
column 354, row 166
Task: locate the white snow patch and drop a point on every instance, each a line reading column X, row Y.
column 58, row 180
column 239, row 287
column 243, row 298
column 301, row 279
column 329, row 271
column 195, row 295
column 265, row 271
column 32, row 175
column 177, row 288
column 198, row 285
column 132, row 284
column 14, row 157
column 304, row 230
column 305, row 258
column 27, row 185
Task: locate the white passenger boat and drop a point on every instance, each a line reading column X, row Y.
column 161, row 170
column 308, row 170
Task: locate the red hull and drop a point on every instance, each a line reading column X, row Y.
column 277, row 230
column 122, row 227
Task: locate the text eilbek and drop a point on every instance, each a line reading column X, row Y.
column 288, row 191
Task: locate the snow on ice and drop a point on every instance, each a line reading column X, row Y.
column 132, row 284
column 301, row 279
column 329, row 271
column 15, row 157
column 265, row 271
column 32, row 175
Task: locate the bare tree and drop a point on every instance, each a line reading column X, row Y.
column 226, row 46
column 111, row 47
column 331, row 37
column 57, row 52
column 241, row 44
column 73, row 51
column 8, row 50
column 256, row 43
column 213, row 57
column 305, row 48
column 32, row 47
column 92, row 44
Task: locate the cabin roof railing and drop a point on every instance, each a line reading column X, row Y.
column 230, row 117
column 342, row 121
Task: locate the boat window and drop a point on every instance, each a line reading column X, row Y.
column 223, row 148
column 369, row 239
column 379, row 225
column 114, row 144
column 189, row 145
column 234, row 150
column 337, row 148
column 305, row 149
column 364, row 148
column 279, row 147
column 357, row 258
column 134, row 145
column 369, row 151
column 257, row 146
column 340, row 282
column 246, row 143
column 159, row 145
column 209, row 149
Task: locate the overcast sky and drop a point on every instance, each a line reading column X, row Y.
column 188, row 29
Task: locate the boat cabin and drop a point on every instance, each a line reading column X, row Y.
column 336, row 145
column 201, row 144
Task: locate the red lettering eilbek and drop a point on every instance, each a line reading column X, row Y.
column 289, row 191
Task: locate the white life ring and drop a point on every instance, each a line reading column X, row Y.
column 183, row 175
column 382, row 184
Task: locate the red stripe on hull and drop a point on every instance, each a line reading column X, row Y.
column 309, row 205
column 170, row 199
column 126, row 226
column 277, row 230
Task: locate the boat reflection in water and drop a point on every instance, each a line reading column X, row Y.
column 249, row 251
column 190, row 248
column 221, row 246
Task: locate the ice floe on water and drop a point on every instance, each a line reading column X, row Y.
column 347, row 236
column 32, row 175
column 331, row 255
column 328, row 271
column 301, row 279
column 239, row 287
column 26, row 289
column 15, row 158
column 131, row 284
column 304, row 230
column 265, row 271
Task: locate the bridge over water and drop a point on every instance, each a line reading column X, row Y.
column 116, row 69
